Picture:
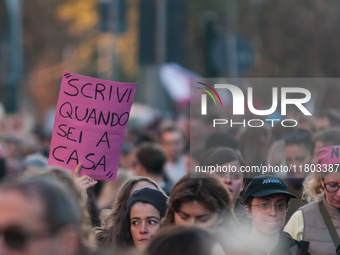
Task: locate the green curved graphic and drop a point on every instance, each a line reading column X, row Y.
column 208, row 94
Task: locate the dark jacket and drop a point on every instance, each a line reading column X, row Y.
column 286, row 246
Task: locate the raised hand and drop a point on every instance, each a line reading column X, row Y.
column 85, row 181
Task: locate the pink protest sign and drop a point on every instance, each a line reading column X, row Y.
column 90, row 125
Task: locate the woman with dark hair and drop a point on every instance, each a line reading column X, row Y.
column 230, row 163
column 203, row 202
column 145, row 209
column 299, row 151
column 178, row 240
column 108, row 234
column 254, row 145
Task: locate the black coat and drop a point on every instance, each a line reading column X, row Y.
column 286, row 246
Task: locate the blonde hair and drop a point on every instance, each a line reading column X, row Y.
column 313, row 190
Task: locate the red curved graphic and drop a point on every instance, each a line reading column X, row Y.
column 212, row 90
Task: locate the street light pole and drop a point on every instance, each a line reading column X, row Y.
column 16, row 55
column 231, row 25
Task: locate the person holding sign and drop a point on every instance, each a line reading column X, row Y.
column 319, row 221
column 90, row 125
column 85, row 181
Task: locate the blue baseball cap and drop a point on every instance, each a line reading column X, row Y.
column 265, row 185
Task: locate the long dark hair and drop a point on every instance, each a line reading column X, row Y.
column 113, row 231
column 300, row 137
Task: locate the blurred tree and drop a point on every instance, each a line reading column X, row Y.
column 58, row 35
column 293, row 38
column 4, row 47
column 64, row 35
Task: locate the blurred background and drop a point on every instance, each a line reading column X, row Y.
column 159, row 43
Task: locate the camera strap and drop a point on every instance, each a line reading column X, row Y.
column 329, row 224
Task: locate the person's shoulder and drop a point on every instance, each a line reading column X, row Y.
column 296, row 247
column 309, row 207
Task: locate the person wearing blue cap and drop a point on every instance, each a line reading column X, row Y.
column 266, row 202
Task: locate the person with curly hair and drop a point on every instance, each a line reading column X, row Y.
column 316, row 221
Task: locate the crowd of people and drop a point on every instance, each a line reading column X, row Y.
column 166, row 199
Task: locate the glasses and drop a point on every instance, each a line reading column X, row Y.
column 18, row 238
column 331, row 187
column 264, row 207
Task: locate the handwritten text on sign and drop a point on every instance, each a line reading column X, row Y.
column 90, row 125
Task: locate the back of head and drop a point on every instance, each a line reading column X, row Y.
column 328, row 137
column 300, row 137
column 60, row 207
column 181, row 241
column 35, row 160
column 152, row 157
column 254, row 143
column 221, row 140
column 73, row 187
column 43, row 207
column 331, row 114
column 170, row 128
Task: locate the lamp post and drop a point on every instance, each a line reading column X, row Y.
column 14, row 77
